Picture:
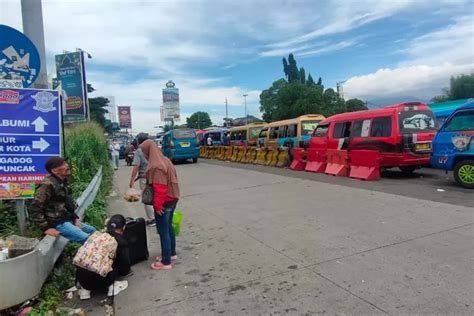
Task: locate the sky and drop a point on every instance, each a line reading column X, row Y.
column 215, row 50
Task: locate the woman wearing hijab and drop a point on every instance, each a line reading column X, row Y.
column 91, row 281
column 161, row 175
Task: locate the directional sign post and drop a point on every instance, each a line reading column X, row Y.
column 30, row 133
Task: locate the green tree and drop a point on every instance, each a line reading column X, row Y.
column 439, row 99
column 285, row 68
column 302, row 75
column 460, row 87
column 199, row 120
column 353, row 105
column 97, row 109
column 293, row 72
column 310, row 80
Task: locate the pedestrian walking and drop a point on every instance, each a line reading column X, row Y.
column 289, row 155
column 138, row 174
column 53, row 207
column 161, row 175
column 114, row 149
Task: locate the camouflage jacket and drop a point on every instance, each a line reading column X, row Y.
column 53, row 204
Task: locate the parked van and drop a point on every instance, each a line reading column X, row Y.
column 217, row 135
column 453, row 146
column 403, row 134
column 298, row 129
column 248, row 134
column 180, row 144
column 200, row 137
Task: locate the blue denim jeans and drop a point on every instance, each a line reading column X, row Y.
column 165, row 230
column 72, row 232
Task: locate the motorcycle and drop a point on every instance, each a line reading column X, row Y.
column 129, row 157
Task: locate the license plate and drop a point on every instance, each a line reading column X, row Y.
column 423, row 146
column 185, row 144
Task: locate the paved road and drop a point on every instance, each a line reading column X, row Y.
column 263, row 243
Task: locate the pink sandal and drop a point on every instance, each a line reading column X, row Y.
column 159, row 266
column 172, row 258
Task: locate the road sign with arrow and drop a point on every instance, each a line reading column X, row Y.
column 30, row 133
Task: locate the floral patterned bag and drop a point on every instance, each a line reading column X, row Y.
column 97, row 254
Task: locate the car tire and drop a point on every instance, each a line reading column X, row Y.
column 195, row 160
column 464, row 173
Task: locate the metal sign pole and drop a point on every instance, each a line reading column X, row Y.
column 21, row 216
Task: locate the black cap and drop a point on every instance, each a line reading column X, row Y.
column 54, row 162
column 141, row 137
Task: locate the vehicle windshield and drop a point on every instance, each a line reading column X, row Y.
column 216, row 136
column 417, row 121
column 321, row 131
column 462, row 121
column 184, row 133
column 307, row 127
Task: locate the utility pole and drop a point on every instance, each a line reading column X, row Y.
column 226, row 111
column 32, row 16
column 245, row 101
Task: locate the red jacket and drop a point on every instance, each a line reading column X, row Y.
column 160, row 196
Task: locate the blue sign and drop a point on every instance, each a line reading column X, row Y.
column 30, row 133
column 19, row 58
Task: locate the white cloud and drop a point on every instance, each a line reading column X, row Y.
column 454, row 43
column 422, row 82
column 431, row 60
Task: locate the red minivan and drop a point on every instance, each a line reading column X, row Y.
column 402, row 133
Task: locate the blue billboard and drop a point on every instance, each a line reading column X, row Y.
column 70, row 73
column 30, row 133
column 19, row 58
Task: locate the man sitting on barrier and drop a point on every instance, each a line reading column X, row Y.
column 53, row 207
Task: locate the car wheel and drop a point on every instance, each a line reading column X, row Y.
column 464, row 173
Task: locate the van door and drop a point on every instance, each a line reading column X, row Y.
column 319, row 139
column 339, row 137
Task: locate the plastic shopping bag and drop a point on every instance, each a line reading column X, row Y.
column 132, row 195
column 177, row 217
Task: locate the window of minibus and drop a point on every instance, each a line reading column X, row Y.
column 381, row 127
column 291, row 132
column 216, row 136
column 282, row 131
column 417, row 121
column 342, row 130
column 254, row 131
column 263, row 133
column 307, row 127
column 461, row 121
column 321, row 131
column 274, row 132
column 183, row 133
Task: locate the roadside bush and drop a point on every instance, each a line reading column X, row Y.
column 86, row 150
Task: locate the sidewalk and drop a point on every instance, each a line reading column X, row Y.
column 256, row 243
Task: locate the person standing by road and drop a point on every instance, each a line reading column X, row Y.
column 161, row 175
column 114, row 149
column 138, row 173
column 288, row 144
column 209, row 140
column 53, row 208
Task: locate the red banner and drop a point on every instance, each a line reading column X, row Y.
column 125, row 116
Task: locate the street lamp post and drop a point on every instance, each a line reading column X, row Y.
column 245, row 101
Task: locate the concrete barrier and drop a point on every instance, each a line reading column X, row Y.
column 22, row 277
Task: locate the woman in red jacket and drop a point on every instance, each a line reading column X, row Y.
column 161, row 174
